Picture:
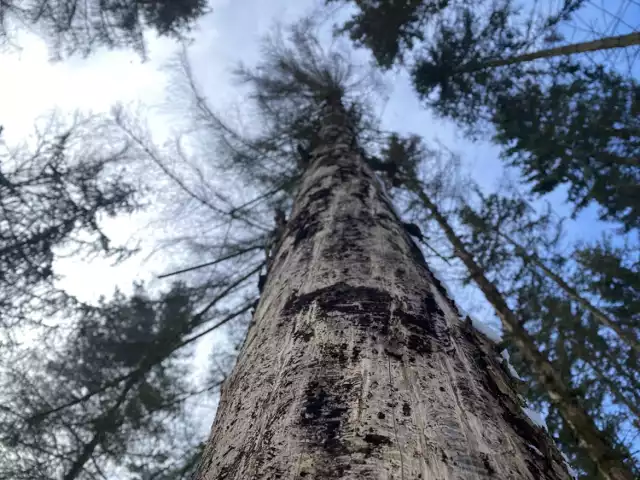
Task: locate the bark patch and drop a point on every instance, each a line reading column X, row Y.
column 323, row 412
column 369, row 305
column 305, row 334
column 377, row 439
column 307, row 222
column 355, row 354
column 371, row 308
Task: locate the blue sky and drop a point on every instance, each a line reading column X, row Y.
column 228, row 35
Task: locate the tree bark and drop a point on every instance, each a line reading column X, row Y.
column 358, row 365
column 608, row 461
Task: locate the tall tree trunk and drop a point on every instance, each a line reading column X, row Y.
column 358, row 365
column 608, row 461
column 608, row 43
column 628, row 337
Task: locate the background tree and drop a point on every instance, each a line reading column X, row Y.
column 562, row 121
column 53, row 194
column 115, row 386
column 581, row 131
column 597, row 363
column 89, row 419
column 72, row 27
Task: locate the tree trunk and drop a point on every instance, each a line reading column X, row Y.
column 105, row 425
column 358, row 365
column 608, row 461
column 607, row 43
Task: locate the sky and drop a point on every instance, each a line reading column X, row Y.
column 226, row 36
column 230, row 34
column 34, row 86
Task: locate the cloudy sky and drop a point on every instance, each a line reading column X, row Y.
column 30, row 86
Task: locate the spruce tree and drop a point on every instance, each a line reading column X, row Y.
column 53, row 194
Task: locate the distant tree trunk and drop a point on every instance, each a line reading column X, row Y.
column 608, row 43
column 608, row 461
column 108, row 423
column 358, row 365
column 627, row 337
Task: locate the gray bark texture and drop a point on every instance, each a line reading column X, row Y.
column 358, row 365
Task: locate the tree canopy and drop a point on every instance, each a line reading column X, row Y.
column 73, row 27
column 53, row 195
column 562, row 121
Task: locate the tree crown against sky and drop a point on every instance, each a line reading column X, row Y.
column 560, row 120
column 592, row 359
column 74, row 27
column 53, row 196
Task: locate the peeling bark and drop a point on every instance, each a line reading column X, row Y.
column 358, row 365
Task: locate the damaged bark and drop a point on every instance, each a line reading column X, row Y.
column 358, row 365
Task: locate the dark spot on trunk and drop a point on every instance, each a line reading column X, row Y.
column 381, row 415
column 355, row 354
column 431, row 305
column 385, row 217
column 306, row 334
column 376, row 439
column 347, row 170
column 416, row 252
column 369, row 305
column 336, row 352
column 487, row 464
column 419, row 344
column 307, row 222
column 406, row 409
column 323, row 412
column 393, row 354
column 262, row 279
column 363, row 193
